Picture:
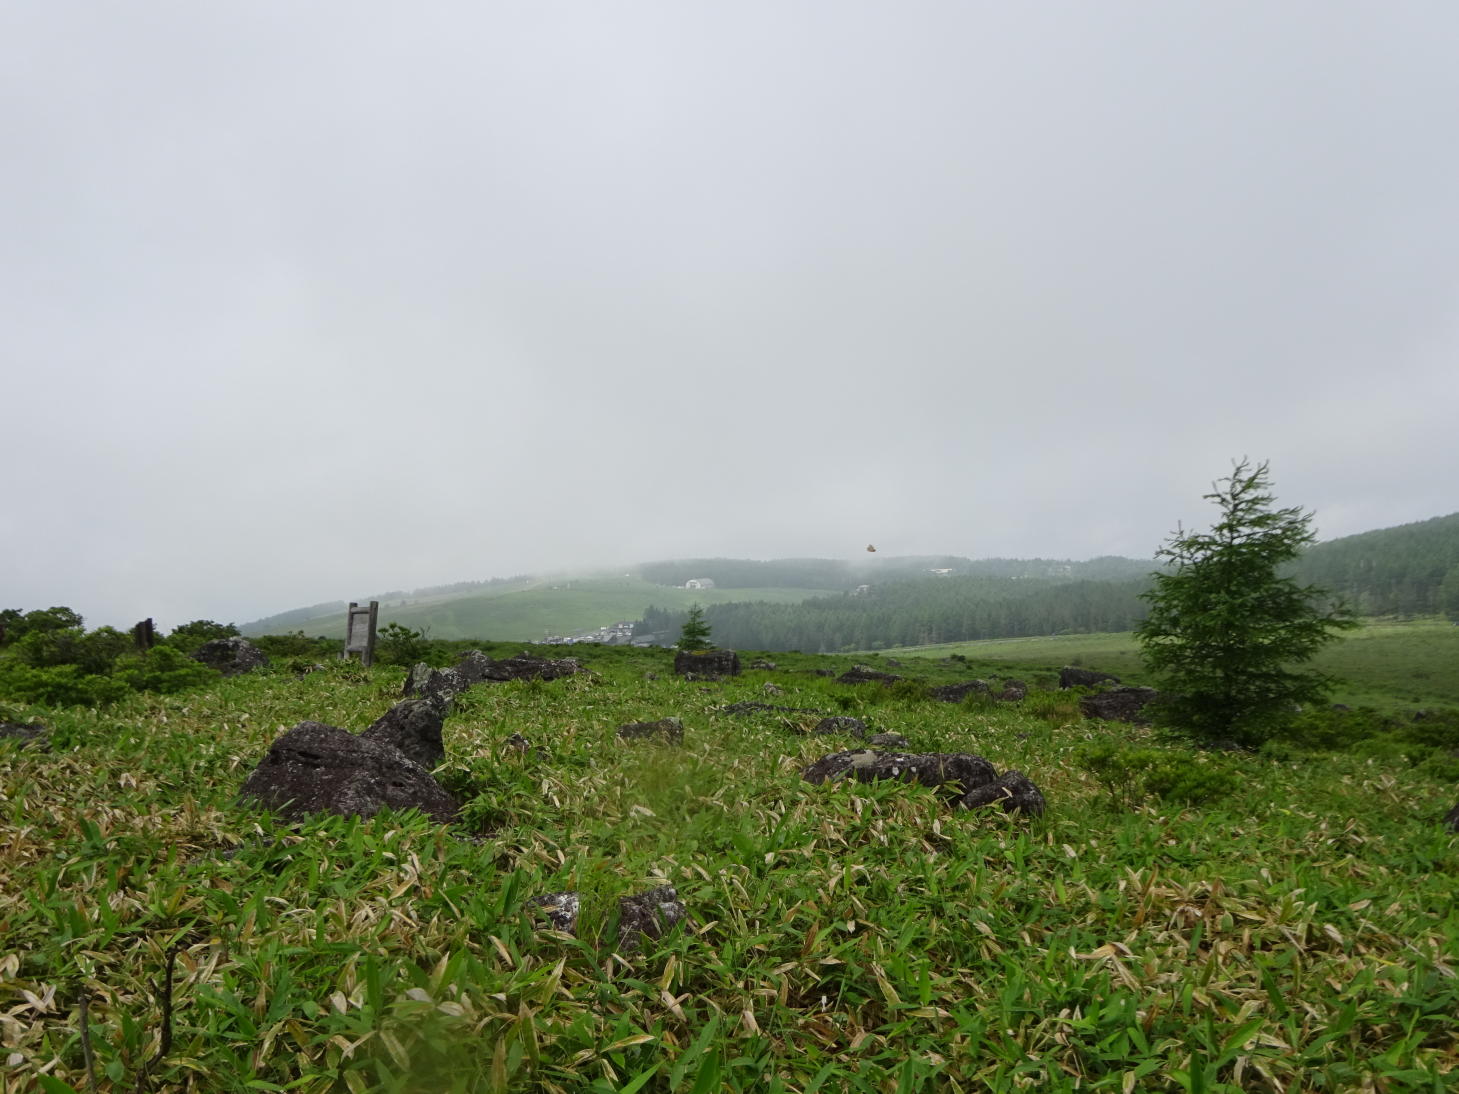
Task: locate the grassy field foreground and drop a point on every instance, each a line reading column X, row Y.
column 1297, row 932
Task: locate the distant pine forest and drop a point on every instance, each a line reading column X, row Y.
column 1410, row 570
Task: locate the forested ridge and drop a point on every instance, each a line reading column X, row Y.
column 922, row 612
column 1409, row 570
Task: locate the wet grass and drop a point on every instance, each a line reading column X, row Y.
column 1298, row 933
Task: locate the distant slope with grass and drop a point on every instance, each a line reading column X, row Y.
column 1386, row 665
column 529, row 610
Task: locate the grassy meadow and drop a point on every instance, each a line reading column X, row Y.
column 1286, row 922
column 1384, row 664
column 548, row 606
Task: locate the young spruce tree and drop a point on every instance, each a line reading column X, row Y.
column 1227, row 633
column 695, row 635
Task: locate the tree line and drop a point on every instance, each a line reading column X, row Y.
column 914, row 613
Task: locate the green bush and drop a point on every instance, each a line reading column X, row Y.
column 58, row 685
column 1131, row 774
column 399, row 645
column 190, row 636
column 162, row 669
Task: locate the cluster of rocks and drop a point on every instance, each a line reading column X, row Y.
column 441, row 686
column 965, row 779
column 648, row 914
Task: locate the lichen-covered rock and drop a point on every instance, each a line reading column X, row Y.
column 894, row 741
column 761, row 663
column 561, row 910
column 667, row 729
column 1122, row 704
column 414, row 727
column 522, row 667
column 317, row 768
column 1013, row 791
column 231, row 656
column 956, row 693
column 26, row 734
column 955, row 773
column 864, row 674
column 706, row 664
column 648, row 915
column 840, row 723
column 1070, row 676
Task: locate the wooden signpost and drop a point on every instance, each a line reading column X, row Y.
column 360, row 631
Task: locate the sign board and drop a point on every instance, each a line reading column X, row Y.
column 360, row 631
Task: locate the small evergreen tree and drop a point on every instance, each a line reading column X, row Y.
column 1226, row 631
column 695, row 634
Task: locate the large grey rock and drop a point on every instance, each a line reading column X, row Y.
column 1013, row 792
column 1070, row 676
column 706, row 664
column 955, row 773
column 26, row 734
column 413, row 726
column 1014, row 691
column 1122, row 704
column 231, row 656
column 648, row 915
column 316, row 768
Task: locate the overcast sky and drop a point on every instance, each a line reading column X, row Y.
column 300, row 302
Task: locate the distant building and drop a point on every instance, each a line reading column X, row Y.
column 940, row 573
column 861, row 590
column 699, row 583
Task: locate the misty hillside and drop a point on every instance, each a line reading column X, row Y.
column 877, row 600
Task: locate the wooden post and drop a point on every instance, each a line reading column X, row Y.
column 359, row 634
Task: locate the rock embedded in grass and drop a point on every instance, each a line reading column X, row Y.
column 1013, row 791
column 706, row 664
column 969, row 780
column 954, row 773
column 317, row 768
column 475, row 667
column 561, row 910
column 894, row 741
column 1122, row 704
column 862, row 674
column 1451, row 819
column 956, row 693
column 668, row 729
column 840, row 723
column 648, row 915
column 26, row 734
column 1071, row 676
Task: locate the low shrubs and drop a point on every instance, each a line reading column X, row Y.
column 1132, row 775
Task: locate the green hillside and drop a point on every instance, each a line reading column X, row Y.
column 529, row 610
column 1387, row 665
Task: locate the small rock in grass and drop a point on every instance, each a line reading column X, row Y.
column 561, row 910
column 1014, row 792
column 840, row 723
column 648, row 915
column 668, row 729
column 26, row 735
